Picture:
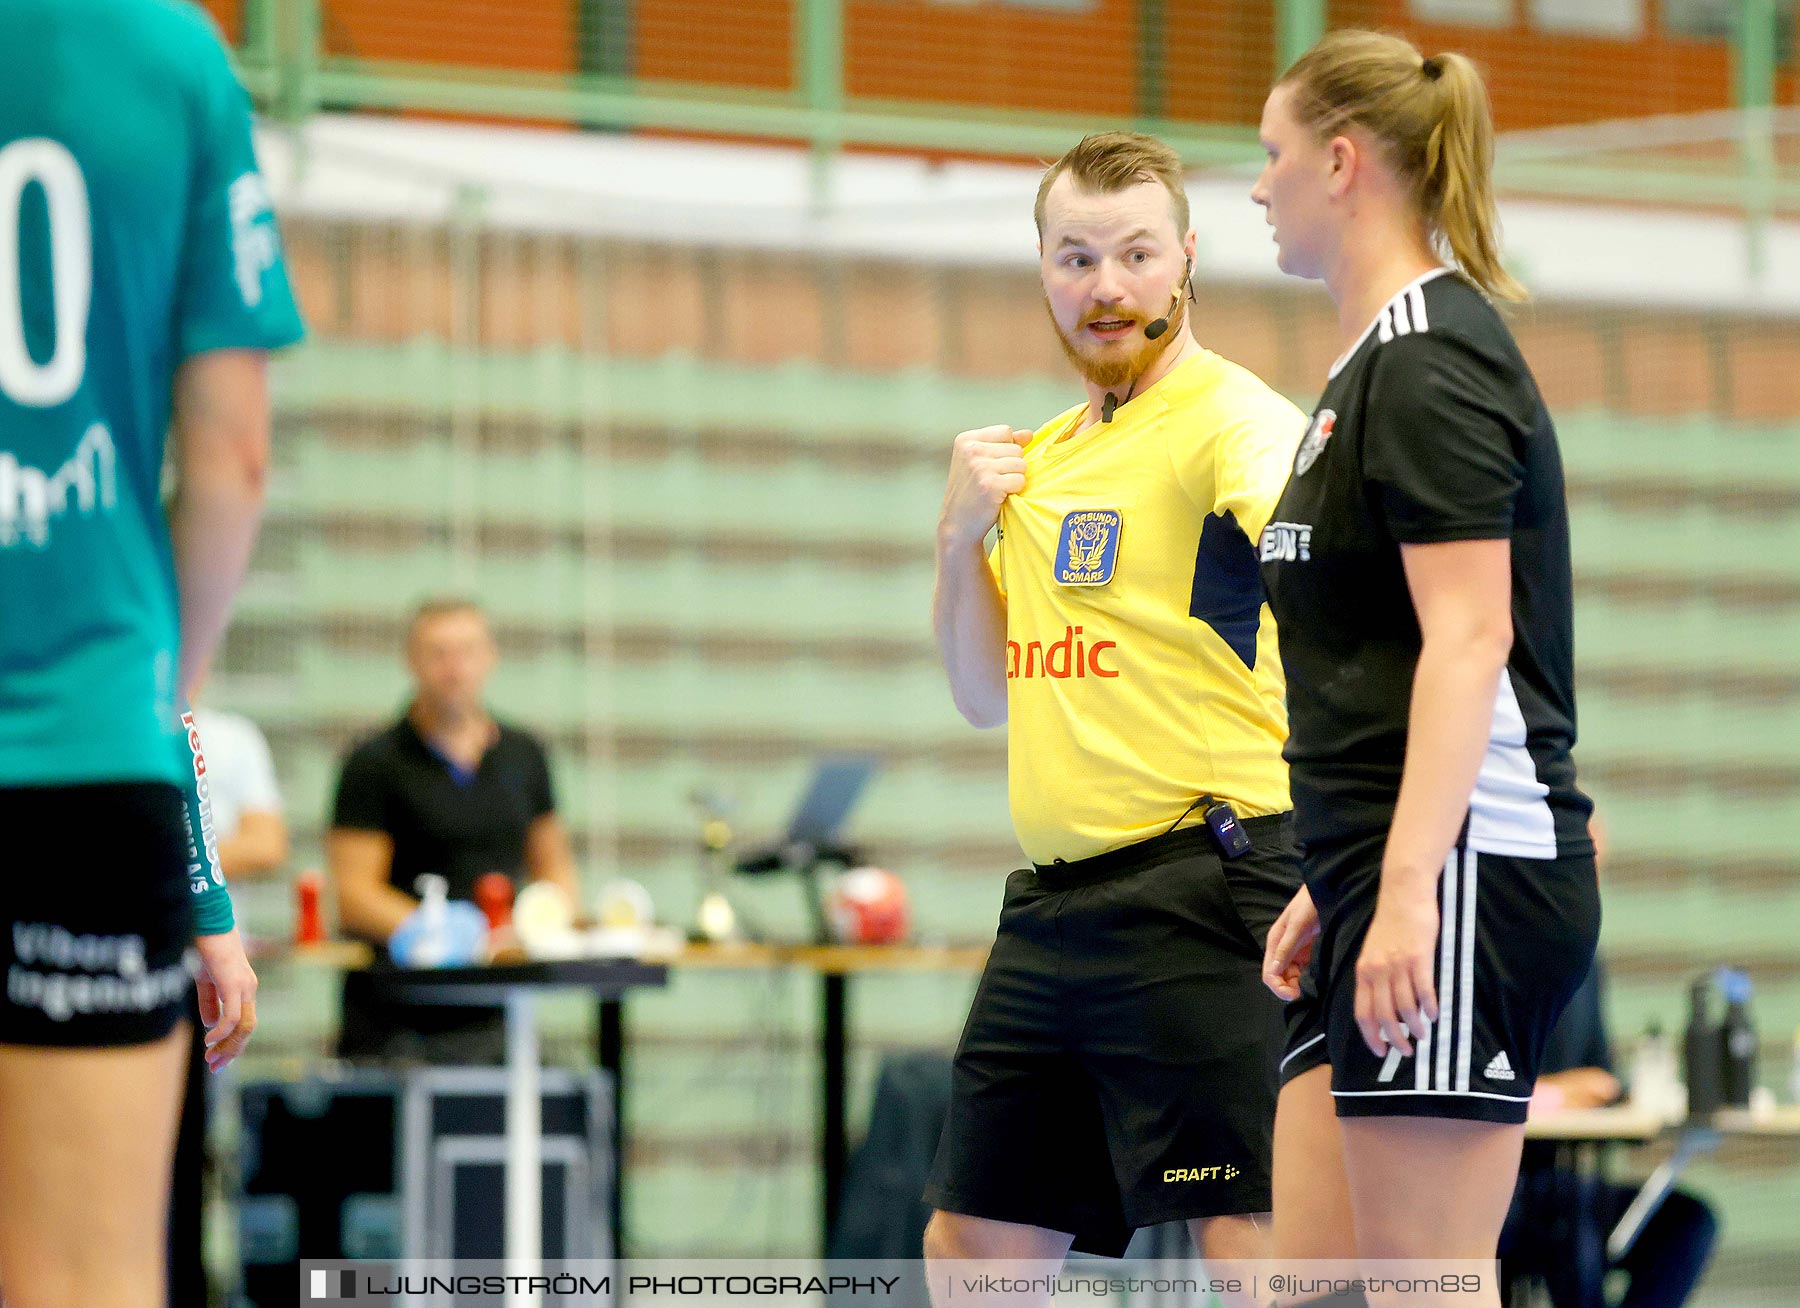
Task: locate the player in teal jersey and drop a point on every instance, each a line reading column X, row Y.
column 141, row 287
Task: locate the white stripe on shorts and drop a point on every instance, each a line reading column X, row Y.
column 1447, row 1094
column 1446, row 1023
column 1300, row 1049
column 1465, row 981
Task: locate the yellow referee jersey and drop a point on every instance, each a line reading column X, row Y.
column 1141, row 660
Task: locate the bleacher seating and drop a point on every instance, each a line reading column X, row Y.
column 708, row 555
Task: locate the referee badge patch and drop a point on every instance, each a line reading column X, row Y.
column 1088, row 549
column 1313, row 444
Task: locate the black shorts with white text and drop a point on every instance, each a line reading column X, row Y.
column 98, row 922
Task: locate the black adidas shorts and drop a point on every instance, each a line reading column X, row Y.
column 1118, row 1068
column 1516, row 937
column 97, row 920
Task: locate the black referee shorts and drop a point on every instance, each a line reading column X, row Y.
column 98, row 919
column 1516, row 937
column 1118, row 1068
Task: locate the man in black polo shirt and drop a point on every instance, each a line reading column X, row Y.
column 448, row 790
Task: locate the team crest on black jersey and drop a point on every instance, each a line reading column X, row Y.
column 1314, row 443
column 1088, row 549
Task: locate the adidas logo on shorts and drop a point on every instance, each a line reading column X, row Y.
column 1500, row 1069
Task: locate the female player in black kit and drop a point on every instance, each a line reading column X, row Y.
column 1418, row 568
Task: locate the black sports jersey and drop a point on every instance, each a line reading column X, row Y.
column 458, row 825
column 1430, row 429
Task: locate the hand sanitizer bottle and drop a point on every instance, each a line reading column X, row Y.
column 434, row 939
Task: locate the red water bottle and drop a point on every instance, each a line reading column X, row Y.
column 309, row 925
column 494, row 896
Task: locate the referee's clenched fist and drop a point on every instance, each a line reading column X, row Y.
column 986, row 465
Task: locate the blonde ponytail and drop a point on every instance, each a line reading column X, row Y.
column 1433, row 117
column 1457, row 188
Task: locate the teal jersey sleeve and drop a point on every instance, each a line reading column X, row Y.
column 206, row 877
column 233, row 290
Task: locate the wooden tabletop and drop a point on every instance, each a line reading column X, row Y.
column 338, row 955
column 1620, row 1122
column 833, row 960
column 1780, row 1121
column 1629, row 1124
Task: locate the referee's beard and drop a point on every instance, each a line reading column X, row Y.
column 1111, row 365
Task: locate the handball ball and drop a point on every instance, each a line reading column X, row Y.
column 867, row 906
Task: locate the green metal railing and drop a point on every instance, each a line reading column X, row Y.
column 1754, row 57
column 291, row 74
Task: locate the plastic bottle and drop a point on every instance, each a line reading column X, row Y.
column 494, row 896
column 1703, row 1053
column 1738, row 1041
column 433, row 945
column 1655, row 1080
column 309, row 923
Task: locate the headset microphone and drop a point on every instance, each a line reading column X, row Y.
column 1152, row 330
column 1157, row 326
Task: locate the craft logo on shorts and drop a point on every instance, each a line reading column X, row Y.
column 1313, row 444
column 1224, row 1173
column 1088, row 549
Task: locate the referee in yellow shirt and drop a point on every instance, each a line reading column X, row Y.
column 1118, row 1068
